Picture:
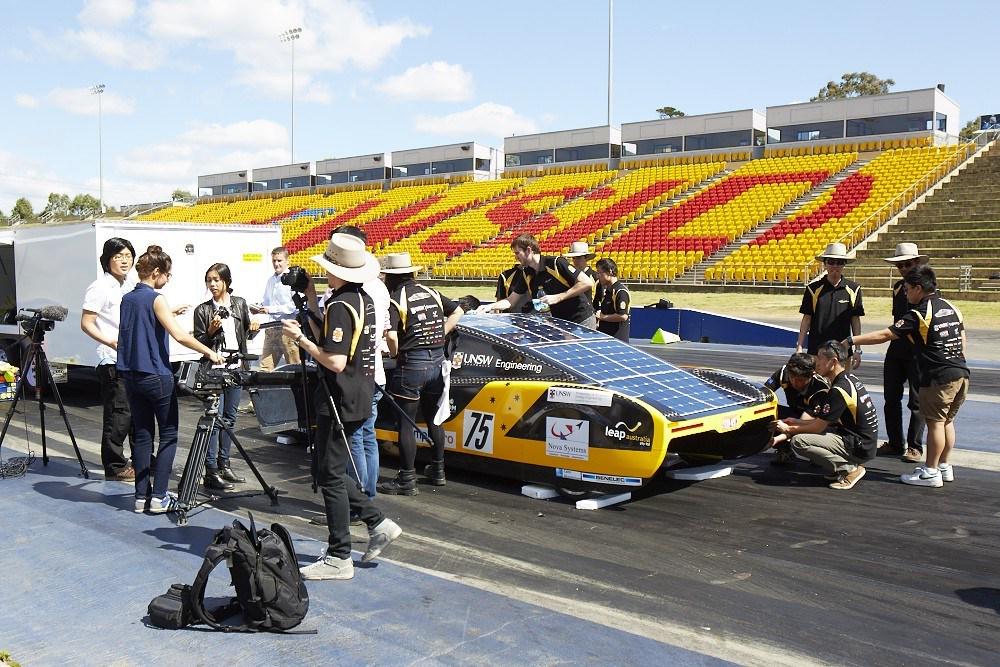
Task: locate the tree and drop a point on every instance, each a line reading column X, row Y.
column 968, row 133
column 669, row 112
column 179, row 194
column 84, row 204
column 854, row 84
column 22, row 209
column 58, row 204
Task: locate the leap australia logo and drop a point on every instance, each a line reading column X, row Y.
column 625, row 433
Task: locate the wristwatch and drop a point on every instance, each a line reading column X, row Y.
column 298, row 339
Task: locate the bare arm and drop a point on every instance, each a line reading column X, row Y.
column 88, row 322
column 803, row 332
column 165, row 316
column 392, row 342
column 583, row 284
column 873, row 338
column 452, row 320
column 792, row 426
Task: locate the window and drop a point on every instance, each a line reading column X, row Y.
column 833, row 129
column 701, row 142
column 528, row 157
column 482, row 164
column 657, row 146
column 592, row 152
column 907, row 122
column 808, row 135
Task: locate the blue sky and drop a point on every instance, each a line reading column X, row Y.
column 203, row 86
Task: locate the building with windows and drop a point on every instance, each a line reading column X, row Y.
column 357, row 169
column 711, row 132
column 585, row 145
column 465, row 159
column 228, row 183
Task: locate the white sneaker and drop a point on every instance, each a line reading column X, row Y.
column 947, row 472
column 922, row 476
column 161, row 505
column 140, row 505
column 380, row 537
column 329, row 567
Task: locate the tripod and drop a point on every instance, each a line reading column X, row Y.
column 43, row 373
column 191, row 478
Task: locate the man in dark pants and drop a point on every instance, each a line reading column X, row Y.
column 616, row 303
column 346, row 358
column 551, row 281
column 831, row 305
column 900, row 368
column 800, row 383
column 420, row 320
column 99, row 320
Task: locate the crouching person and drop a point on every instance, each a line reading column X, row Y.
column 801, row 384
column 346, row 358
column 841, row 435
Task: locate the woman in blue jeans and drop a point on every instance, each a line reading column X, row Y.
column 144, row 363
column 223, row 323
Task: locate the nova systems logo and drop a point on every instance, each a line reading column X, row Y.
column 567, row 430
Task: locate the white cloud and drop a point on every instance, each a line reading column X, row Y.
column 111, row 48
column 336, row 34
column 22, row 176
column 437, row 81
column 106, row 13
column 82, row 102
column 488, row 118
column 25, row 100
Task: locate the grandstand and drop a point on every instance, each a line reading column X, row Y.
column 718, row 209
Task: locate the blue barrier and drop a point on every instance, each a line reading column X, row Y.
column 705, row 327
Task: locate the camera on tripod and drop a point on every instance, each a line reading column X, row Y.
column 203, row 380
column 40, row 320
column 296, row 278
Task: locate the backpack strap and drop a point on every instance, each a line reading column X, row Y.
column 216, row 553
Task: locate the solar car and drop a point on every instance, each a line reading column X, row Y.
column 545, row 400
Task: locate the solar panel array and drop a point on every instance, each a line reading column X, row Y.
column 612, row 364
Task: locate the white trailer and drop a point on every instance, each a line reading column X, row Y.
column 53, row 264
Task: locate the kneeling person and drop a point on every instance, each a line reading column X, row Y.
column 841, row 435
column 798, row 379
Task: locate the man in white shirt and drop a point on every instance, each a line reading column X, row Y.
column 277, row 304
column 100, row 319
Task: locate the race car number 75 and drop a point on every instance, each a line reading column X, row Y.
column 477, row 431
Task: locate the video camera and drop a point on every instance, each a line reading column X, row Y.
column 41, row 319
column 296, row 278
column 202, row 379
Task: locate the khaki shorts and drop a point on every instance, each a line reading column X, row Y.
column 940, row 402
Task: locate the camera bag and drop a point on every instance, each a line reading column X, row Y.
column 172, row 610
column 264, row 570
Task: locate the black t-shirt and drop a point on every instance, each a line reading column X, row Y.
column 597, row 293
column 851, row 413
column 417, row 315
column 901, row 348
column 798, row 401
column 831, row 309
column 616, row 300
column 349, row 329
column 505, row 283
column 555, row 276
column 935, row 328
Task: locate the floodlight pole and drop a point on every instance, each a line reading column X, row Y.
column 611, row 22
column 99, row 90
column 291, row 35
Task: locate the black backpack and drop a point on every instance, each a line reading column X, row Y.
column 265, row 573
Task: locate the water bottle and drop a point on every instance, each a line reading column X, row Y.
column 537, row 302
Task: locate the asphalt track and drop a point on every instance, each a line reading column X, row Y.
column 767, row 566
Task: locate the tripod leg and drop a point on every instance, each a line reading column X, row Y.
column 44, row 365
column 271, row 492
column 191, row 478
column 17, row 396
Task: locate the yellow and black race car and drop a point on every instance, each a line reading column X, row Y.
column 544, row 400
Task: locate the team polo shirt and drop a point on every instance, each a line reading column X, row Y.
column 597, row 293
column 349, row 329
column 556, row 275
column 831, row 309
column 505, row 284
column 417, row 315
column 615, row 300
column 798, row 401
column 935, row 327
column 847, row 406
column 901, row 348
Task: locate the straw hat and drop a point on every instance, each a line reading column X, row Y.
column 399, row 263
column 905, row 251
column 835, row 251
column 347, row 259
column 579, row 249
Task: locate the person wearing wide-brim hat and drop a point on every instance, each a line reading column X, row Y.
column 831, row 304
column 579, row 253
column 345, row 352
column 420, row 320
column 900, row 368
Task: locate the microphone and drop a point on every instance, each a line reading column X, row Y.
column 55, row 313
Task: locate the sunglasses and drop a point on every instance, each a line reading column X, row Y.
column 907, row 264
column 835, row 262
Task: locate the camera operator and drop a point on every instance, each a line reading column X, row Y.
column 99, row 320
column 144, row 362
column 223, row 323
column 420, row 320
column 277, row 304
column 346, row 358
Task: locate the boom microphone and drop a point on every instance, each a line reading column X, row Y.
column 54, row 313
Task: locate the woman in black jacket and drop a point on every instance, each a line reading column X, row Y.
column 223, row 323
